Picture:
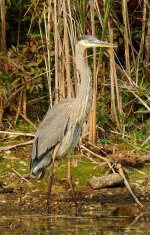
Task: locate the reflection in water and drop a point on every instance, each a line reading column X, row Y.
column 94, row 225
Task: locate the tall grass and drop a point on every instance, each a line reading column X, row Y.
column 122, row 74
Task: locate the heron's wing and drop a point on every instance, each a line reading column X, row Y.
column 52, row 129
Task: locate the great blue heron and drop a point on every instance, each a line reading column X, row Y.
column 61, row 128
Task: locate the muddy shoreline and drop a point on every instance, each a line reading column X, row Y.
column 30, row 196
column 105, row 201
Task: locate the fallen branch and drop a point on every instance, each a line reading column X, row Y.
column 17, row 133
column 106, row 181
column 145, row 142
column 24, row 117
column 139, row 98
column 98, row 156
column 92, row 160
column 15, row 145
column 120, row 170
column 143, row 111
column 128, row 228
column 21, row 176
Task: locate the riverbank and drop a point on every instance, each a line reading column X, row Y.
column 24, row 195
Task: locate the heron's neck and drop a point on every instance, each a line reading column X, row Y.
column 83, row 99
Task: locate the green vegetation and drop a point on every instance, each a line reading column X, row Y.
column 81, row 169
column 34, row 72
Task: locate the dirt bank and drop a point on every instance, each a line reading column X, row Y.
column 30, row 196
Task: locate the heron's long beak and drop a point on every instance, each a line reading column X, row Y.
column 99, row 43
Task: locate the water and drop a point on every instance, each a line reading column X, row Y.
column 75, row 225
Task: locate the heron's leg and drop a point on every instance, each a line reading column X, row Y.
column 51, row 176
column 69, row 179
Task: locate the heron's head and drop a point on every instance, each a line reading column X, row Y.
column 88, row 41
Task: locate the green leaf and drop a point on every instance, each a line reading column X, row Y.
column 52, row 53
column 8, row 79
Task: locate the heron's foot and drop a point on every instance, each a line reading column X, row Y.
column 40, row 176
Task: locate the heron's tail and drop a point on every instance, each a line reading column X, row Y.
column 37, row 165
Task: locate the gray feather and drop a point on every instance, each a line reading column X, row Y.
column 52, row 128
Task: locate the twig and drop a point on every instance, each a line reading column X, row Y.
column 120, row 170
column 93, row 145
column 30, row 102
column 17, row 133
column 140, row 172
column 128, row 228
column 145, row 142
column 21, row 176
column 25, row 118
column 16, row 145
column 92, row 160
column 142, row 111
column 139, row 98
column 98, row 156
column 118, row 133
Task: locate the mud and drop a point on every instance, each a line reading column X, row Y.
column 107, row 201
column 30, row 196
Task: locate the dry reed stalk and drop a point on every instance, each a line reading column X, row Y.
column 126, row 36
column 32, row 17
column 92, row 124
column 98, row 156
column 123, row 72
column 24, row 102
column 56, row 50
column 44, row 55
column 1, row 108
column 15, row 145
column 47, row 34
column 61, row 75
column 140, row 54
column 140, row 99
column 100, row 64
column 83, row 15
column 72, row 35
column 113, row 83
column 25, row 118
column 67, row 56
column 130, row 41
column 15, row 93
column 103, row 82
column 147, row 42
column 19, row 23
column 121, row 172
column 116, row 91
column 3, row 67
column 16, row 133
column 18, row 110
column 98, row 12
column 3, row 27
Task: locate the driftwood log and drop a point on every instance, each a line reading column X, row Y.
column 106, row 181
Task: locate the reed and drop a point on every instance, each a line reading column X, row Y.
column 60, row 23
